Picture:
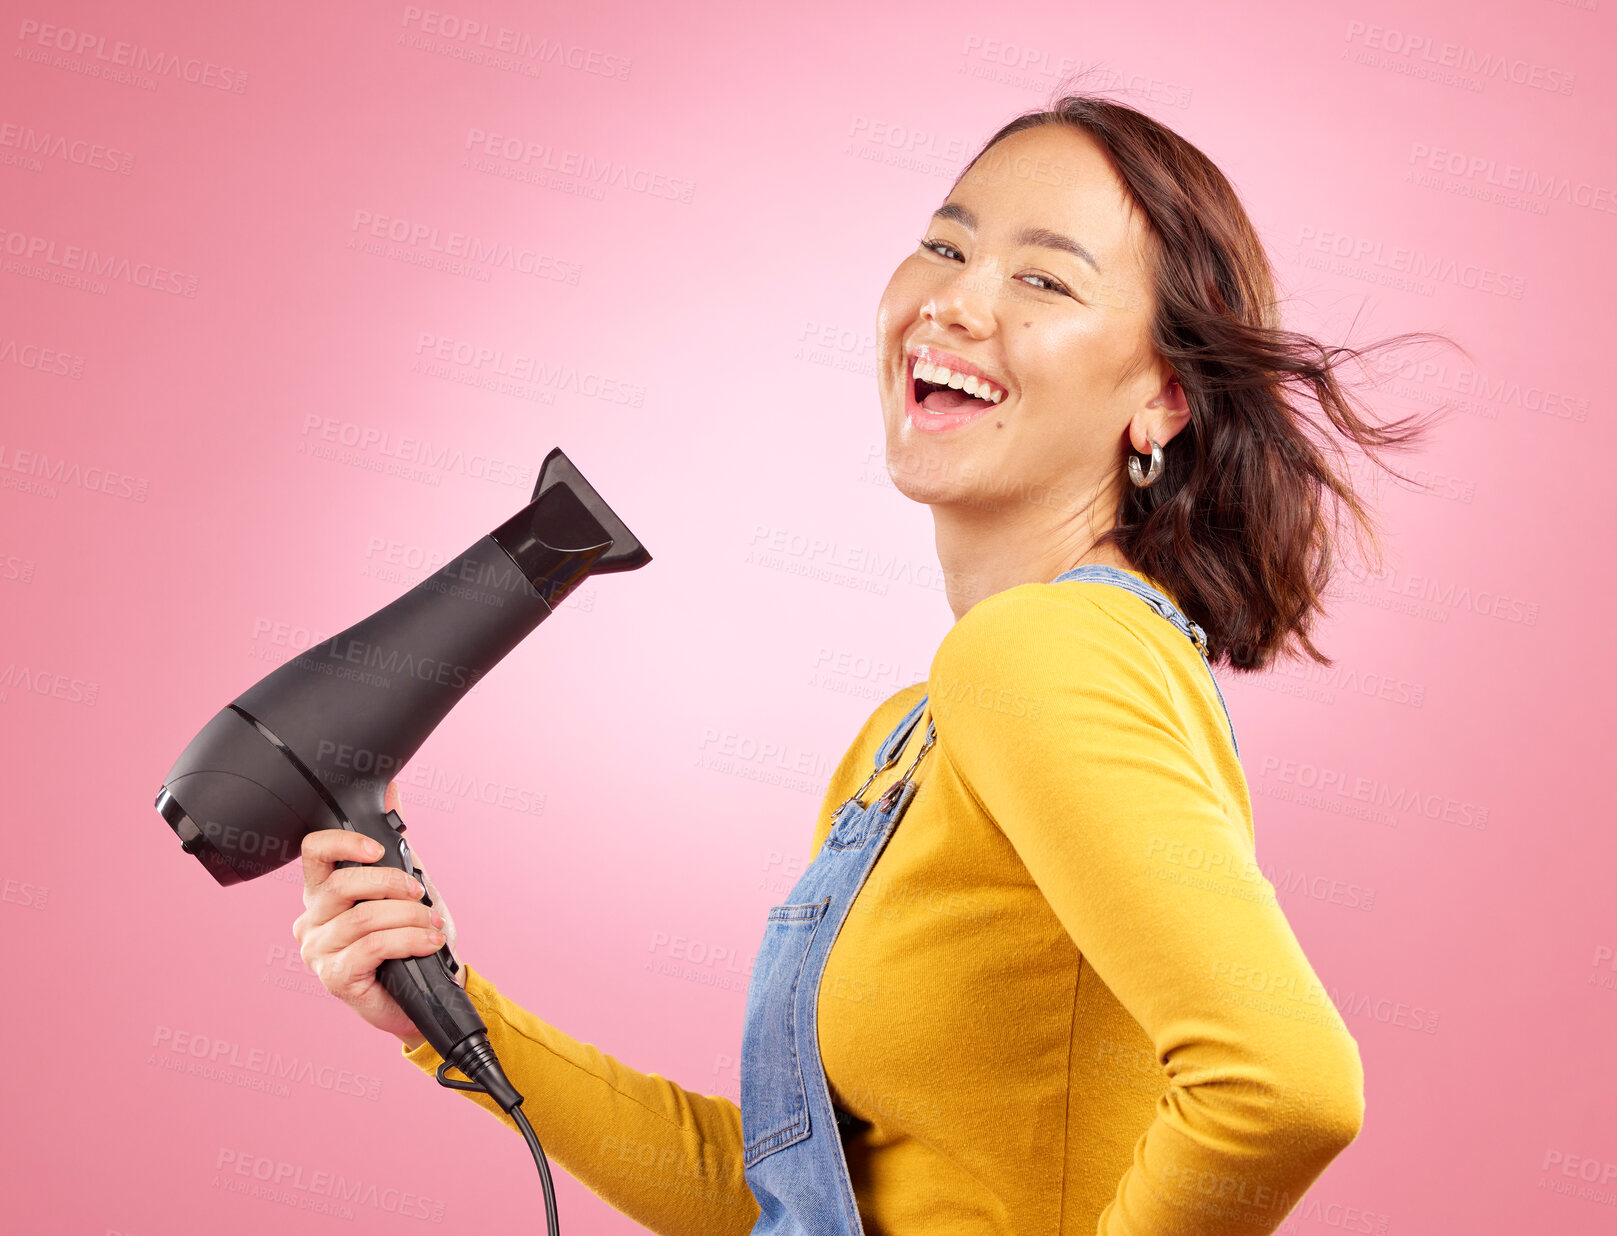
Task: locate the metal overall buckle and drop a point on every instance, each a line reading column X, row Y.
column 896, row 798
column 1199, row 636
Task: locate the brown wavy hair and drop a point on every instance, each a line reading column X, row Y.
column 1243, row 524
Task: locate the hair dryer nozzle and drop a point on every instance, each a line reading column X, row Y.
column 627, row 553
column 566, row 533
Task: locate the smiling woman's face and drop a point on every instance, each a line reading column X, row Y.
column 993, row 292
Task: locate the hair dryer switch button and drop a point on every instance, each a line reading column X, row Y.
column 394, row 822
column 410, row 868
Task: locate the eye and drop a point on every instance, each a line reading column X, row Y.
column 938, row 246
column 1048, row 284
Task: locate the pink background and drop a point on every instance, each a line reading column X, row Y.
column 193, row 488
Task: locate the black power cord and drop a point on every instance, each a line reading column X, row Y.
column 552, row 1226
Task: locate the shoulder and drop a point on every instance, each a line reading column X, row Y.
column 1040, row 638
column 1041, row 680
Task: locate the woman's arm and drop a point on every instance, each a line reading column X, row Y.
column 1096, row 788
column 668, row 1158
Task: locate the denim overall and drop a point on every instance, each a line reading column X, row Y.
column 791, row 1144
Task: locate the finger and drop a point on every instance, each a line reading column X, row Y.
column 325, row 847
column 370, row 916
column 348, row 885
column 346, row 972
column 390, row 799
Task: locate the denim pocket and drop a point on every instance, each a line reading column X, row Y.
column 774, row 1104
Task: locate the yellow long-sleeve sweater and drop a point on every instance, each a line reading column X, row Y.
column 1066, row 1000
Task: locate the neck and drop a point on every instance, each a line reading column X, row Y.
column 984, row 551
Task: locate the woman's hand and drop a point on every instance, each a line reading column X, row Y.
column 355, row 918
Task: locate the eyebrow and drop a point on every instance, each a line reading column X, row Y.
column 1043, row 237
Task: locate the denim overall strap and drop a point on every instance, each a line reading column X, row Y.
column 900, row 735
column 1152, row 597
column 791, row 1145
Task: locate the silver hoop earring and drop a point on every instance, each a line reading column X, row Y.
column 1156, row 466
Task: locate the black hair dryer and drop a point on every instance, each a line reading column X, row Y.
column 314, row 744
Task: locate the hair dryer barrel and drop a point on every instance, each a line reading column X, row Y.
column 314, row 743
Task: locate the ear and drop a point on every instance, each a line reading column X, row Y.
column 1161, row 418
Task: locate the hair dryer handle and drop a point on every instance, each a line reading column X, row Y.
column 427, row 988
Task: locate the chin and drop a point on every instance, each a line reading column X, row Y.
column 914, row 486
column 924, row 474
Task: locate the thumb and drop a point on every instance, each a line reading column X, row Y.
column 390, row 797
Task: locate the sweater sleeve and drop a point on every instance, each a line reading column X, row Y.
column 668, row 1158
column 1060, row 721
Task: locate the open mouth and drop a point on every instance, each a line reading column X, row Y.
column 940, row 389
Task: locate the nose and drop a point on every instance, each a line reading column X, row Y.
column 961, row 300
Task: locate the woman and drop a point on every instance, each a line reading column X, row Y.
column 1065, row 999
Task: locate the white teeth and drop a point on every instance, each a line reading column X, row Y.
column 970, row 383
